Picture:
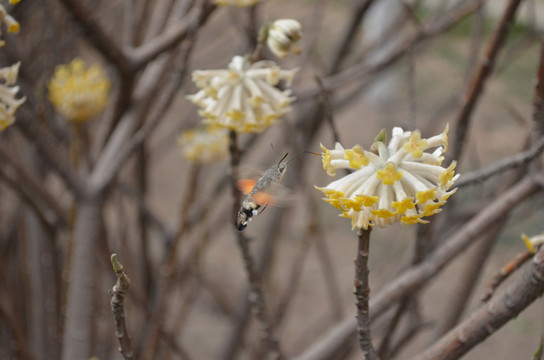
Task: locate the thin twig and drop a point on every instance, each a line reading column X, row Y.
column 503, row 165
column 256, row 296
column 118, row 293
column 362, row 292
column 326, row 103
column 362, row 70
column 475, row 89
column 169, row 264
column 97, row 35
column 505, row 272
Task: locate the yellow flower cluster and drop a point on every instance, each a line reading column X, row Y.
column 395, row 182
column 204, row 144
column 243, row 97
column 79, row 92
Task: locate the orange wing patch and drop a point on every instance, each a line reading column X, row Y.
column 246, row 185
column 263, row 198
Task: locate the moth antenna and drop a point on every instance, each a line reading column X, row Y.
column 283, row 158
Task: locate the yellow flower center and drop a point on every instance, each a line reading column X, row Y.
column 425, row 195
column 448, row 174
column 405, row 204
column 356, row 157
column 389, row 174
column 416, row 145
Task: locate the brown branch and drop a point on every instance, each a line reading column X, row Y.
column 465, row 284
column 488, row 319
column 505, row 272
column 362, row 292
column 144, row 54
column 352, row 30
column 416, row 277
column 512, row 162
column 76, row 343
column 475, row 89
column 98, row 36
column 362, row 70
column 118, row 293
column 32, row 191
column 46, row 150
column 169, row 264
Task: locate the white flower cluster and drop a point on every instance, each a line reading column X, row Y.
column 243, row 97
column 398, row 181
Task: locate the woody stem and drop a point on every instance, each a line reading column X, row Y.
column 362, row 292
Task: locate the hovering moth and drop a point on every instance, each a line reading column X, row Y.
column 257, row 195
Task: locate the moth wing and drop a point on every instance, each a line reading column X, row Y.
column 276, row 195
column 246, row 185
column 263, row 198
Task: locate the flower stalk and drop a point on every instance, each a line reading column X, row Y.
column 362, row 294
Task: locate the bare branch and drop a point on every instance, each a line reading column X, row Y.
column 505, row 272
column 491, row 317
column 118, row 293
column 503, row 165
column 475, row 88
column 98, row 36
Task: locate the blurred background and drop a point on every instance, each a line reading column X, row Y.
column 119, row 183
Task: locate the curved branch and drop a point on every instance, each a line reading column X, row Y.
column 491, row 317
column 503, row 165
column 475, row 88
column 98, row 36
column 166, row 40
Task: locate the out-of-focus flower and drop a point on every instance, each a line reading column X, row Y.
column 282, row 36
column 8, row 102
column 243, row 97
column 533, row 242
column 79, row 92
column 398, row 181
column 11, row 24
column 238, row 3
column 204, row 144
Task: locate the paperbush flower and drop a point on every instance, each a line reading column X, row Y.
column 11, row 24
column 400, row 181
column 243, row 97
column 238, row 3
column 79, row 92
column 282, row 36
column 204, row 144
column 8, row 102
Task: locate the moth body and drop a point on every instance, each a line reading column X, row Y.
column 257, row 197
